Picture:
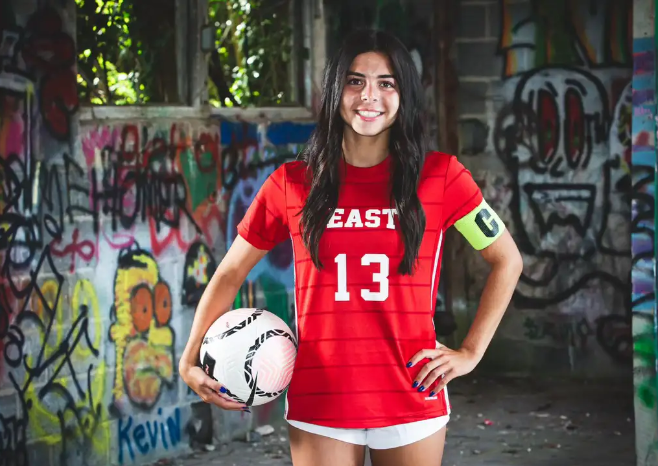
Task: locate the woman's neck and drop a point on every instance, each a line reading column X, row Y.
column 364, row 151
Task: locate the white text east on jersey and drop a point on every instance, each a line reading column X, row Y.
column 371, row 218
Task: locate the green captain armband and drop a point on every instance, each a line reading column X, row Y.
column 481, row 227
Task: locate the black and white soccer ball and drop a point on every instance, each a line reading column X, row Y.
column 251, row 352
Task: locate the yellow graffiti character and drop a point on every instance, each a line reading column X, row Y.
column 144, row 340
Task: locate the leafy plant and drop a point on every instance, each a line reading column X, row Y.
column 125, row 51
column 251, row 62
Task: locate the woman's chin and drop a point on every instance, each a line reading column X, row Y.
column 368, row 130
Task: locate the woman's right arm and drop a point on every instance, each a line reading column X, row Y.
column 215, row 301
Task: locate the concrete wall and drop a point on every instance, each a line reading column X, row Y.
column 101, row 219
column 643, row 273
column 545, row 118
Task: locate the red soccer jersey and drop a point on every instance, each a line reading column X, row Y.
column 358, row 320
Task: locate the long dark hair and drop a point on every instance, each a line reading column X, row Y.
column 324, row 152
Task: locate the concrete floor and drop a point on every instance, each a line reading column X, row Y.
column 500, row 422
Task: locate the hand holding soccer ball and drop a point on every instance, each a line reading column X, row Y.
column 252, row 352
column 208, row 389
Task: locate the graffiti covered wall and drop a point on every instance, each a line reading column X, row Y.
column 643, row 232
column 94, row 227
column 52, row 353
column 109, row 233
column 556, row 105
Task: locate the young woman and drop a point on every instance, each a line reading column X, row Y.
column 367, row 210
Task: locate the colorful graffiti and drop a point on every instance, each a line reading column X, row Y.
column 50, row 335
column 109, row 234
column 643, row 249
column 141, row 330
column 545, row 33
column 133, row 198
column 56, row 372
column 143, row 173
column 82, row 210
column 199, row 268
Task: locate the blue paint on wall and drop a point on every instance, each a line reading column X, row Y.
column 141, row 438
column 289, row 133
column 236, row 133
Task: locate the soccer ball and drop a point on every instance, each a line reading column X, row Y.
column 251, row 352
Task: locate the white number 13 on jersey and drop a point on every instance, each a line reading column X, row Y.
column 380, row 277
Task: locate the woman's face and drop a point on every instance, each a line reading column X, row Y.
column 370, row 98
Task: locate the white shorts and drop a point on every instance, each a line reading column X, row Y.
column 379, row 438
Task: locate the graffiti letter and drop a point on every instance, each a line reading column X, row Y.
column 140, row 434
column 174, row 428
column 125, row 439
column 164, row 439
column 153, row 433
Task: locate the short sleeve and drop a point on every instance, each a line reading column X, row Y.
column 265, row 224
column 466, row 209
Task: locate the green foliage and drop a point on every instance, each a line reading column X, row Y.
column 254, row 43
column 103, row 43
column 127, row 52
column 124, row 51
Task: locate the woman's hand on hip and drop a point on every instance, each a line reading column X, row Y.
column 444, row 365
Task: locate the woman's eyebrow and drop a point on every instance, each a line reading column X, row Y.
column 361, row 75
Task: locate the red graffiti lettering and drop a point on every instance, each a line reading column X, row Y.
column 84, row 249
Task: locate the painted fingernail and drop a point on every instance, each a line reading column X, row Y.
column 422, row 388
column 409, row 364
column 222, row 390
column 432, row 393
column 246, row 410
column 414, row 385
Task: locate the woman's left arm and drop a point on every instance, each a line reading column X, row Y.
column 506, row 264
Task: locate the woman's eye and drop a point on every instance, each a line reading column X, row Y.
column 387, row 84
column 354, row 82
